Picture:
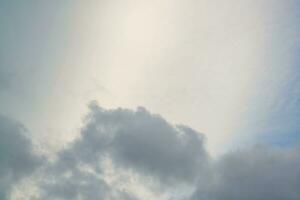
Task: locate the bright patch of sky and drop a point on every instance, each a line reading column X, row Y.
column 227, row 69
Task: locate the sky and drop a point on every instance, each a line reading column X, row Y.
column 149, row 99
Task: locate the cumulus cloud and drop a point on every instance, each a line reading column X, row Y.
column 259, row 173
column 128, row 155
column 140, row 148
column 17, row 159
column 146, row 143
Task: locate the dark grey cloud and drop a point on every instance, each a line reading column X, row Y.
column 260, row 173
column 136, row 141
column 17, row 159
column 145, row 143
column 146, row 147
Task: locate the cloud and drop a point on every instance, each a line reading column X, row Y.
column 145, row 143
column 135, row 144
column 259, row 173
column 17, row 159
column 129, row 155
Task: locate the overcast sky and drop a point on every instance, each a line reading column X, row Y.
column 187, row 96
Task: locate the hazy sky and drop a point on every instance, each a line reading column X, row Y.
column 228, row 69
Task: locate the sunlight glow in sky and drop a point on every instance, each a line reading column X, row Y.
column 191, row 61
column 97, row 99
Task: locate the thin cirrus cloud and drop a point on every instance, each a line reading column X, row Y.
column 127, row 154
